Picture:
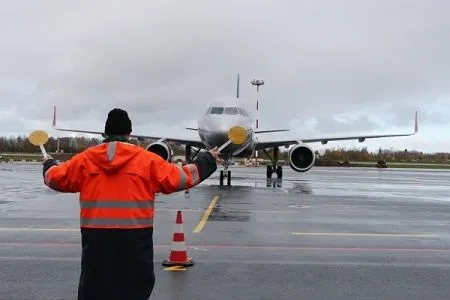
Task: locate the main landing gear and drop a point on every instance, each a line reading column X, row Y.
column 274, row 168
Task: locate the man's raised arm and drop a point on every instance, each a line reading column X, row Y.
column 170, row 178
column 65, row 177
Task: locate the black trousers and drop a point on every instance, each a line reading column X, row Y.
column 116, row 264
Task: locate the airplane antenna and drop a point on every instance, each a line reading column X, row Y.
column 237, row 87
column 258, row 83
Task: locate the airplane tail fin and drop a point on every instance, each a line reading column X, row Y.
column 54, row 116
column 416, row 124
column 71, row 130
column 237, row 87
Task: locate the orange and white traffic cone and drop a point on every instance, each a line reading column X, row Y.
column 178, row 253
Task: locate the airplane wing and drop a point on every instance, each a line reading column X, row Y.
column 324, row 140
column 271, row 130
column 256, row 131
column 194, row 142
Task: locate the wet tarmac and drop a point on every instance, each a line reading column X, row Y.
column 330, row 233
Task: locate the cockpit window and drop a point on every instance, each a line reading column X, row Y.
column 243, row 112
column 231, row 110
column 216, row 110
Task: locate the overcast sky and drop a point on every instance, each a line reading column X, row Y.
column 330, row 67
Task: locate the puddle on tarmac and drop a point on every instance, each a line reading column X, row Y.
column 229, row 215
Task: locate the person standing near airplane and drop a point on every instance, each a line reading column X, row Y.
column 117, row 182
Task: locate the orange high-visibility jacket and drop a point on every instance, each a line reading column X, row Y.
column 117, row 182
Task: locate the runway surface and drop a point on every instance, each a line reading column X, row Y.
column 330, row 233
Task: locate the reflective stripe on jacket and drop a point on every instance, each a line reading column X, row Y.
column 117, row 182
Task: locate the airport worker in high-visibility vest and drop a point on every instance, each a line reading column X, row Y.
column 117, row 182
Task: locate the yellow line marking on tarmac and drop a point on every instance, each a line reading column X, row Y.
column 39, row 229
column 205, row 217
column 175, row 268
column 365, row 234
column 275, row 211
column 171, row 210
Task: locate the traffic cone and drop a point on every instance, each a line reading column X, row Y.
column 178, row 254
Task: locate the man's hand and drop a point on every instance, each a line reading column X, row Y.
column 214, row 152
column 44, row 159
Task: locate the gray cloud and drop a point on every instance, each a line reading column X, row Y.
column 163, row 60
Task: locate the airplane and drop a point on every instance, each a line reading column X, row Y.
column 221, row 114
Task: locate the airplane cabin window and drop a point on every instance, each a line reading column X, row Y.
column 216, row 110
column 231, row 110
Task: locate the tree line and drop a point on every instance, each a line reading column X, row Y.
column 20, row 144
column 387, row 155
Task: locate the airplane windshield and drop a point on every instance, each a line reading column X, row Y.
column 216, row 110
column 243, row 112
column 231, row 110
column 224, row 110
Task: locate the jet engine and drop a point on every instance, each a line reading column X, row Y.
column 301, row 158
column 161, row 149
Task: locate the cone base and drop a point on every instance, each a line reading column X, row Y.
column 168, row 263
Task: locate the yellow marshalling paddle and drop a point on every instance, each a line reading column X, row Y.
column 39, row 138
column 236, row 135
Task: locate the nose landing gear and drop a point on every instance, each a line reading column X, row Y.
column 225, row 173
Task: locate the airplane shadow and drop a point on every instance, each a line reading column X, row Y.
column 245, row 184
column 290, row 186
column 274, row 182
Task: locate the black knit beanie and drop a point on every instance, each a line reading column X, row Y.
column 118, row 122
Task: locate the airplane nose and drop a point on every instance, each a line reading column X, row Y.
column 225, row 126
column 223, row 129
column 219, row 133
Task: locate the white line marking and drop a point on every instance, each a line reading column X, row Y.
column 365, row 234
column 39, row 229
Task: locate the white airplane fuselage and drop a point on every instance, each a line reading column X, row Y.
column 222, row 114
